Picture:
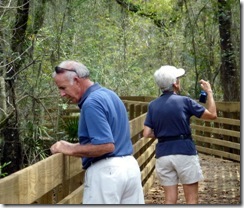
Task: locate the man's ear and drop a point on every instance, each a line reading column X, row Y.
column 76, row 80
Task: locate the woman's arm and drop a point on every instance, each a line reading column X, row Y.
column 148, row 132
column 210, row 112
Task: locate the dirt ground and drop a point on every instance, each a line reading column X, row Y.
column 221, row 185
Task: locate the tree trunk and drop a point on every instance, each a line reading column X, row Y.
column 11, row 147
column 229, row 73
column 3, row 107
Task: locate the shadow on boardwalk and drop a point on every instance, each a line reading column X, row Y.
column 221, row 184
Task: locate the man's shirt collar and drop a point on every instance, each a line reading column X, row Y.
column 91, row 89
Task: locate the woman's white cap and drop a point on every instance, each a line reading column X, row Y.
column 167, row 75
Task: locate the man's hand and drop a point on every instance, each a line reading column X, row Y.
column 62, row 147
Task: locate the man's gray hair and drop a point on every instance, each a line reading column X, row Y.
column 80, row 68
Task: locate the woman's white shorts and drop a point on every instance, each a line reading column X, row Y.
column 174, row 169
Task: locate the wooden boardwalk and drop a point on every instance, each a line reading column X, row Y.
column 221, row 185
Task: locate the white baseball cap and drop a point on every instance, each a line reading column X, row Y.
column 167, row 75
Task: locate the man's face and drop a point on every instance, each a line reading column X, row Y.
column 68, row 87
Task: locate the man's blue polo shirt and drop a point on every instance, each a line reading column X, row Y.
column 169, row 115
column 103, row 119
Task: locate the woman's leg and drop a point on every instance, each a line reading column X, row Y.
column 171, row 194
column 191, row 193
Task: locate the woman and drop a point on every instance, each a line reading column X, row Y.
column 168, row 120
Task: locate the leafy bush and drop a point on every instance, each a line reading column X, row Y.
column 2, row 174
column 70, row 126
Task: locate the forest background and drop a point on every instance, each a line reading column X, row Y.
column 122, row 42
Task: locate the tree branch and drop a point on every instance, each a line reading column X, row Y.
column 136, row 9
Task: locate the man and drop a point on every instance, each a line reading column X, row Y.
column 168, row 120
column 112, row 173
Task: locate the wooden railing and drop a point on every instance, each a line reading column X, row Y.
column 220, row 137
column 58, row 179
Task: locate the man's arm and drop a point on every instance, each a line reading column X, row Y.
column 78, row 150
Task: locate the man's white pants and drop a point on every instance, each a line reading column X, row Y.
column 114, row 180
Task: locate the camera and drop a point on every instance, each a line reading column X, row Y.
column 203, row 96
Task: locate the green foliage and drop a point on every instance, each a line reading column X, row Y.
column 70, row 125
column 3, row 174
column 36, row 142
column 113, row 42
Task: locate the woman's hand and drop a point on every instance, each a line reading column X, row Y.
column 205, row 86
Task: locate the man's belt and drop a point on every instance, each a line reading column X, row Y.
column 171, row 138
